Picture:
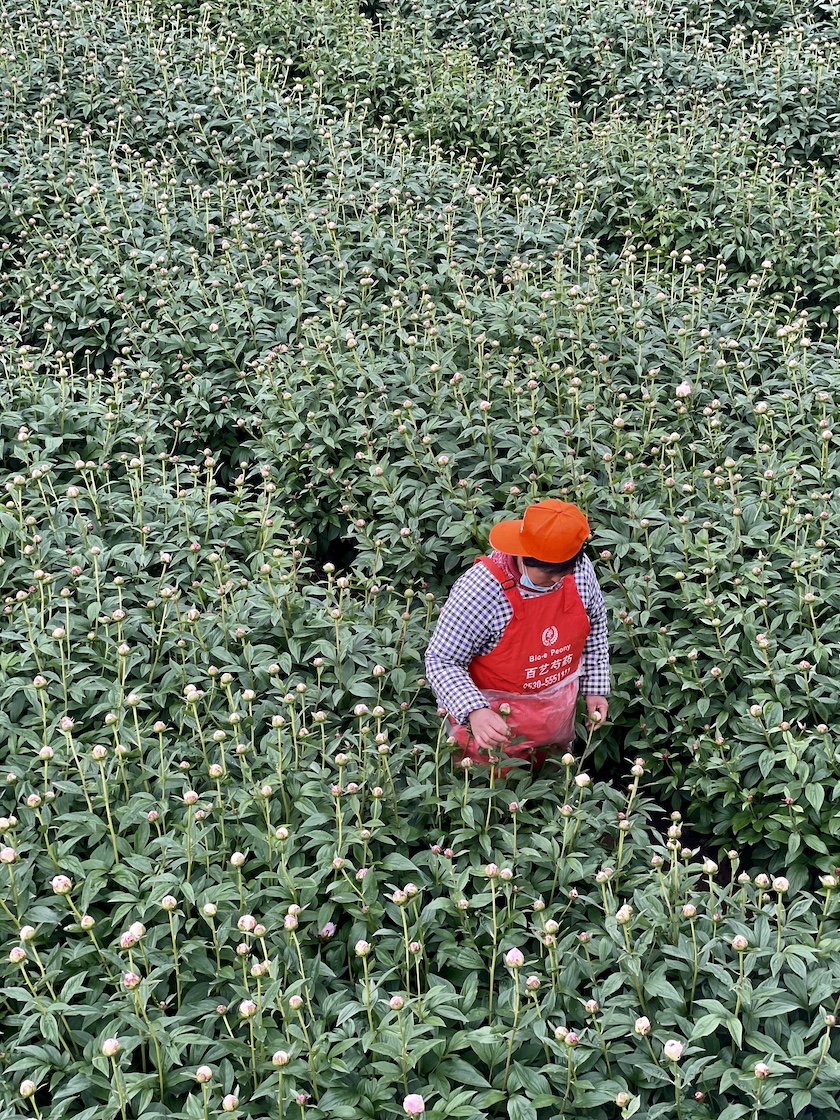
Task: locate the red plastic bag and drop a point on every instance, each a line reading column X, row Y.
column 536, row 720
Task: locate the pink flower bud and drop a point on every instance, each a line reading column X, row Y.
column 761, row 1070
column 110, row 1047
column 414, row 1105
column 203, row 1074
column 131, row 981
column 514, row 958
column 230, row 1103
column 673, row 1050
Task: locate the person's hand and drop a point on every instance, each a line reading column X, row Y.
column 488, row 728
column 596, row 706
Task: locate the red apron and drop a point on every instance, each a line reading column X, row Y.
column 534, row 668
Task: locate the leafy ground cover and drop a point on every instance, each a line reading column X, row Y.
column 295, row 302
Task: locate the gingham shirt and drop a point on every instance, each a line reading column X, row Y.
column 472, row 622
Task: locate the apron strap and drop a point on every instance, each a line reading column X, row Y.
column 508, row 584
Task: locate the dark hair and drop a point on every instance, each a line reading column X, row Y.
column 561, row 569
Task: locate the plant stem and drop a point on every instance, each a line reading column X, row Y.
column 495, row 948
column 513, row 1028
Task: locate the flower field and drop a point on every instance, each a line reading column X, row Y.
column 295, row 302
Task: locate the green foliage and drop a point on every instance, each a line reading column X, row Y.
column 296, row 301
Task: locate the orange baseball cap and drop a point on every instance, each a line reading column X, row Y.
column 552, row 531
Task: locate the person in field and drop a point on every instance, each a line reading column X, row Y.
column 523, row 632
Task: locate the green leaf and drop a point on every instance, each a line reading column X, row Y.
column 815, row 795
column 706, row 1024
column 520, row 1108
column 734, row 1111
column 800, row 1099
column 736, row 1029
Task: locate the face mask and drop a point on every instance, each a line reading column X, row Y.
column 527, row 582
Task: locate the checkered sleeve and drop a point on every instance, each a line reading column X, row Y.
column 471, row 623
column 595, row 659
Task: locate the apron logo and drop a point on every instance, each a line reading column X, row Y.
column 549, row 636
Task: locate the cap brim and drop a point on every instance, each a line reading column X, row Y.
column 507, row 537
